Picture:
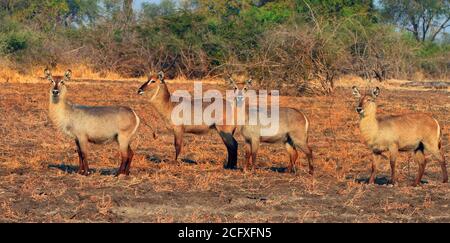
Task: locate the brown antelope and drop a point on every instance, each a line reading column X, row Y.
column 160, row 99
column 292, row 130
column 415, row 132
column 91, row 124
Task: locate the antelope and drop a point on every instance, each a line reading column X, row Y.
column 160, row 100
column 91, row 124
column 292, row 131
column 416, row 132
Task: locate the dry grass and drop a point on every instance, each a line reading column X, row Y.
column 348, row 81
column 30, row 191
column 9, row 74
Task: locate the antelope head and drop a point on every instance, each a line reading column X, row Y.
column 152, row 86
column 58, row 88
column 366, row 102
column 240, row 90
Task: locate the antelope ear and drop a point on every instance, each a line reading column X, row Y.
column 231, row 81
column 68, row 75
column 376, row 92
column 356, row 92
column 161, row 76
column 48, row 75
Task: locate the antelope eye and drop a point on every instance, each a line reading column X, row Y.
column 152, row 81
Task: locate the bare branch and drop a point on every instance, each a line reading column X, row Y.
column 442, row 27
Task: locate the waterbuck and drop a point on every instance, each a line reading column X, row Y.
column 91, row 124
column 415, row 132
column 292, row 130
column 160, row 99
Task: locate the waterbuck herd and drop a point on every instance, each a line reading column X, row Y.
column 415, row 132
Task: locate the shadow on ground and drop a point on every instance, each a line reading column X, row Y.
column 156, row 159
column 383, row 180
column 74, row 169
column 278, row 169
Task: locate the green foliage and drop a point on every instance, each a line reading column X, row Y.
column 430, row 49
column 273, row 13
column 197, row 38
column 12, row 38
column 13, row 42
column 339, row 8
column 164, row 8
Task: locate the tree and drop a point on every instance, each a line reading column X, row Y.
column 128, row 10
column 82, row 11
column 164, row 8
column 45, row 14
column 425, row 19
column 340, row 8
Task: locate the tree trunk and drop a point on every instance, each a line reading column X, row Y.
column 128, row 11
column 415, row 29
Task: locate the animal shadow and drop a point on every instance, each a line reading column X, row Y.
column 156, row 159
column 383, row 180
column 278, row 169
column 189, row 161
column 70, row 169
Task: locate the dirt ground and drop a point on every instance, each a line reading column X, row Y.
column 37, row 183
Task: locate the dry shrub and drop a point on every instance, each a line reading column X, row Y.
column 137, row 51
column 298, row 60
column 418, row 76
column 380, row 53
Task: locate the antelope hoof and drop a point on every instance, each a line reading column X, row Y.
column 230, row 167
column 445, row 180
column 247, row 169
column 289, row 169
column 83, row 172
column 121, row 172
column 417, row 183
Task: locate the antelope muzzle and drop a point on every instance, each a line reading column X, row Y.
column 359, row 109
column 141, row 90
column 55, row 92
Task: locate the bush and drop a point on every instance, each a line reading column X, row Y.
column 296, row 59
column 13, row 42
column 283, row 44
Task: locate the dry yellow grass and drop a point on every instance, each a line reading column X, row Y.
column 32, row 190
column 35, row 74
column 8, row 74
